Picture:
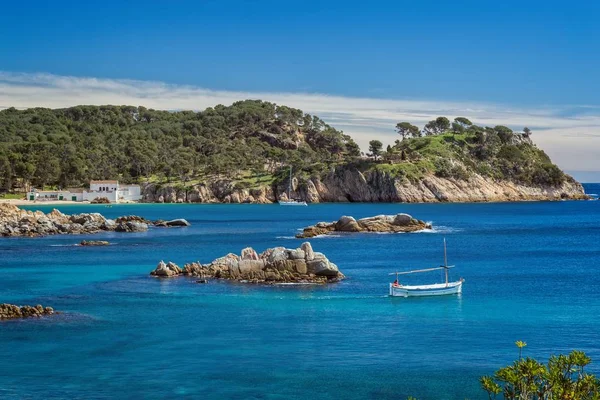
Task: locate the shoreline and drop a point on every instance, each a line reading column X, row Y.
column 76, row 203
column 23, row 202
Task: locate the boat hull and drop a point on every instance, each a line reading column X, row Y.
column 427, row 290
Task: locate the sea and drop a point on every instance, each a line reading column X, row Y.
column 531, row 270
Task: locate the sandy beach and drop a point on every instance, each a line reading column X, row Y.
column 23, row 202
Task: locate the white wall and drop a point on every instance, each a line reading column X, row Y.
column 103, row 187
column 130, row 193
column 53, row 195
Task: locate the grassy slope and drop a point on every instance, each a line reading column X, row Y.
column 460, row 155
column 455, row 156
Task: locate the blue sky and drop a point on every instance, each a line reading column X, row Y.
column 520, row 55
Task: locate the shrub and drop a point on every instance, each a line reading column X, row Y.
column 548, row 174
column 563, row 378
column 445, row 169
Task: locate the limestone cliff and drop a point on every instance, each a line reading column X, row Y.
column 478, row 165
column 351, row 185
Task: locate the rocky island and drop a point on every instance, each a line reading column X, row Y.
column 242, row 154
column 381, row 223
column 18, row 222
column 275, row 265
column 15, row 221
column 11, row 311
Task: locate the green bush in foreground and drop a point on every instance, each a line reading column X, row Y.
column 563, row 378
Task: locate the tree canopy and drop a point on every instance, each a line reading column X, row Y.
column 375, row 147
column 406, row 129
column 69, row 147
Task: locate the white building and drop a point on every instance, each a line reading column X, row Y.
column 52, row 195
column 111, row 190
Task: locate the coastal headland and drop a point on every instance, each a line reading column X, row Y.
column 259, row 152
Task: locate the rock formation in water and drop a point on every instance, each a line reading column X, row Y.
column 180, row 222
column 380, row 223
column 10, row 311
column 131, row 223
column 276, row 265
column 17, row 222
column 94, row 243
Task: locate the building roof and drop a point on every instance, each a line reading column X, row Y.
column 92, row 182
column 74, row 190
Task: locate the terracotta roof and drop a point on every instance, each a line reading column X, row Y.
column 92, row 182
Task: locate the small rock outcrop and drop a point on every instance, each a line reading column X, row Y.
column 276, row 265
column 380, row 223
column 100, row 200
column 172, row 223
column 166, row 270
column 11, row 311
column 94, row 243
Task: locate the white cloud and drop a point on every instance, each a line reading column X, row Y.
column 573, row 142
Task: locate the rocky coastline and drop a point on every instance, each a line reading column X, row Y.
column 275, row 265
column 11, row 311
column 347, row 184
column 15, row 221
column 398, row 223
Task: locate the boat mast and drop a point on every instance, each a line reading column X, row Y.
column 290, row 185
column 445, row 262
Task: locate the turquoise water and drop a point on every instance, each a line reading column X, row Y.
column 532, row 273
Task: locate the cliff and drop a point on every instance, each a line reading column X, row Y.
column 474, row 165
column 352, row 185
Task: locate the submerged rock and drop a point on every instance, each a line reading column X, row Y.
column 275, row 265
column 380, row 223
column 11, row 311
column 94, row 243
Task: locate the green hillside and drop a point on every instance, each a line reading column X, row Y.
column 251, row 143
column 248, row 141
column 463, row 149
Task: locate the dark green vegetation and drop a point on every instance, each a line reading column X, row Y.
column 248, row 141
column 563, row 378
column 458, row 149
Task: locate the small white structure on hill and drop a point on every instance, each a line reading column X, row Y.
column 111, row 190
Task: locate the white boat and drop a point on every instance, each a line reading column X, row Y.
column 437, row 289
column 290, row 201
